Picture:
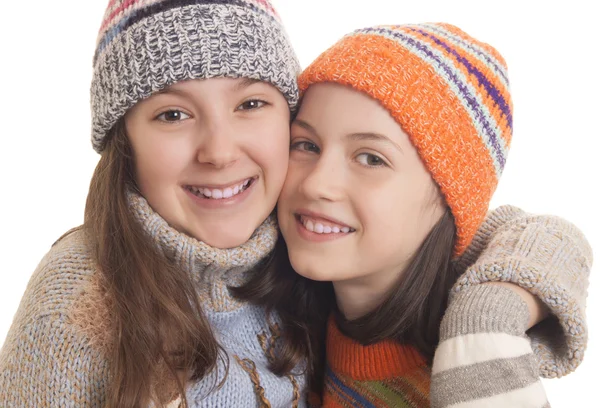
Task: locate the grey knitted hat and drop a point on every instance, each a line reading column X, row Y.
column 147, row 45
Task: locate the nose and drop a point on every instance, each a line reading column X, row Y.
column 325, row 179
column 218, row 145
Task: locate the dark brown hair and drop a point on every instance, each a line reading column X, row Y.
column 411, row 313
column 161, row 334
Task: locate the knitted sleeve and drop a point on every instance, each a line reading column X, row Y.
column 549, row 257
column 46, row 364
column 484, row 356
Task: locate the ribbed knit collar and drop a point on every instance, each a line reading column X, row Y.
column 380, row 361
column 213, row 269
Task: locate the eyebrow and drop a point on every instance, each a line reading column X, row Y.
column 353, row 136
column 244, row 83
column 375, row 137
column 306, row 126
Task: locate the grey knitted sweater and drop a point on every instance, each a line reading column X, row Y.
column 54, row 354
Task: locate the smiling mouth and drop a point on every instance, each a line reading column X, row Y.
column 221, row 193
column 322, row 227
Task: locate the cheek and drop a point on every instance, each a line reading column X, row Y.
column 270, row 147
column 160, row 159
column 296, row 174
column 392, row 214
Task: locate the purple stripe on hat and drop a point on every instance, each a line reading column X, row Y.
column 489, row 87
column 474, row 50
column 471, row 100
column 141, row 13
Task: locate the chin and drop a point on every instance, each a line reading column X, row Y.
column 304, row 266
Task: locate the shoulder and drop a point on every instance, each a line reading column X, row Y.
column 59, row 278
column 68, row 287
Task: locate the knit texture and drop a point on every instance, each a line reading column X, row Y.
column 483, row 342
column 547, row 256
column 385, row 374
column 55, row 352
column 448, row 91
column 484, row 358
column 147, row 45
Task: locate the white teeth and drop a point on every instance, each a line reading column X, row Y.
column 310, row 226
column 217, row 194
column 319, row 228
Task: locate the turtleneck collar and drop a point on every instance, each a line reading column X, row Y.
column 213, row 269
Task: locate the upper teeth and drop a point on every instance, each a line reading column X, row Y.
column 324, row 228
column 218, row 193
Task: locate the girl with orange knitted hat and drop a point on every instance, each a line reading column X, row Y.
column 398, row 146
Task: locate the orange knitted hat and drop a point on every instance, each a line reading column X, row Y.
column 448, row 91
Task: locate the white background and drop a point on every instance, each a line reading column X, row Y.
column 551, row 48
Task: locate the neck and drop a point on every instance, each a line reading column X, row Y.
column 357, row 297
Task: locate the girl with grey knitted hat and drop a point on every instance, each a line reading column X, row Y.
column 191, row 103
column 153, row 301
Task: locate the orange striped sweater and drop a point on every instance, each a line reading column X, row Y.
column 385, row 374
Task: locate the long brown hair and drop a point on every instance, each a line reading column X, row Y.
column 411, row 313
column 160, row 331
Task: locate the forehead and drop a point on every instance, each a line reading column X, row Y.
column 219, row 84
column 343, row 105
column 335, row 109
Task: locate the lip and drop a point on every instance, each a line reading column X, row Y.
column 223, row 203
column 316, row 215
column 315, row 237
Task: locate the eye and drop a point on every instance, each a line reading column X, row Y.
column 172, row 116
column 252, row 104
column 305, row 146
column 370, row 160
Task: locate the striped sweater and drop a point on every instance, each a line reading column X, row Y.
column 385, row 374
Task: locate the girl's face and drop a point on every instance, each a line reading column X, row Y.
column 357, row 201
column 211, row 155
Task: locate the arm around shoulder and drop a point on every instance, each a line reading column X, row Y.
column 551, row 259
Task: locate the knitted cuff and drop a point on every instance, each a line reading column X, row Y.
column 484, row 357
column 547, row 256
column 487, row 309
